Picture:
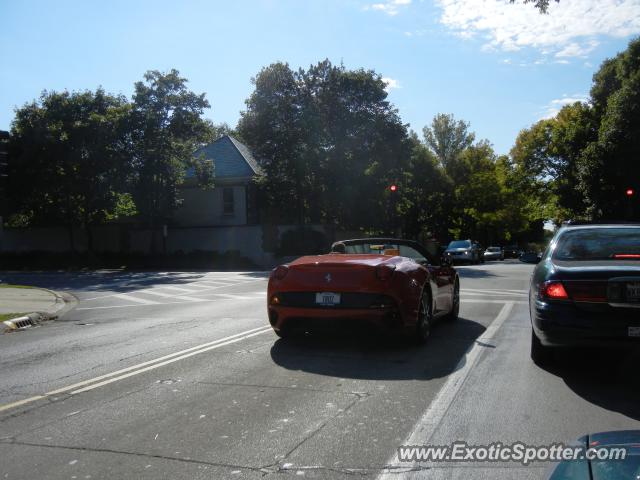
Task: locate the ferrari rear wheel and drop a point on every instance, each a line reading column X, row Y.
column 425, row 319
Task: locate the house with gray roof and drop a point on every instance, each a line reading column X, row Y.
column 232, row 201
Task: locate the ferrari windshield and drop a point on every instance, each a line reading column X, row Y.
column 616, row 243
column 385, row 249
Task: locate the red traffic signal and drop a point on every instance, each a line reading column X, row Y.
column 393, row 188
column 630, row 192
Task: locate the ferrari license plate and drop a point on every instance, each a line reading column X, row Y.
column 327, row 298
column 633, row 292
column 633, row 331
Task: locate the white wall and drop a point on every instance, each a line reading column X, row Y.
column 204, row 207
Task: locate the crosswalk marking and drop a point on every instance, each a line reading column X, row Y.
column 131, row 298
column 168, row 295
column 177, row 289
column 229, row 295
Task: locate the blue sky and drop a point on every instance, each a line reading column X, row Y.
column 499, row 66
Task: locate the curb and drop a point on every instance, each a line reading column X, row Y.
column 66, row 300
column 64, row 303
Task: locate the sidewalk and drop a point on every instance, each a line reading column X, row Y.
column 22, row 301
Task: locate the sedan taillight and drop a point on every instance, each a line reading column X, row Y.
column 553, row 290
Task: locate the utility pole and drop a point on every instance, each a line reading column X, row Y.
column 4, row 173
column 393, row 189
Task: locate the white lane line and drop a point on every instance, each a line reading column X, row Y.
column 493, row 294
column 495, row 290
column 168, row 295
column 167, row 362
column 477, row 300
column 176, row 356
column 427, row 425
column 131, row 298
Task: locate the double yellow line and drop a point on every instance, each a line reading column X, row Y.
column 108, row 378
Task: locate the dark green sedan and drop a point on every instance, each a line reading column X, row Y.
column 586, row 289
column 604, row 456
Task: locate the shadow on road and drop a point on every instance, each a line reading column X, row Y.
column 607, row 378
column 378, row 357
column 112, row 281
column 475, row 272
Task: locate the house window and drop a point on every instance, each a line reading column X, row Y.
column 227, row 201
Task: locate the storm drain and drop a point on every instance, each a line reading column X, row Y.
column 21, row 323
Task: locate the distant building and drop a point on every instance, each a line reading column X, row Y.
column 232, row 201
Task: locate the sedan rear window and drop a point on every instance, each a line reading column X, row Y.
column 599, row 244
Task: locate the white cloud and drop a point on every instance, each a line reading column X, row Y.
column 575, row 49
column 568, row 31
column 554, row 106
column 391, row 83
column 390, row 7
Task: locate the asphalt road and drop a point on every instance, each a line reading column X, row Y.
column 177, row 375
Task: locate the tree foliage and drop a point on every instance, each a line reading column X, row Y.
column 447, row 138
column 331, row 144
column 166, row 128
column 83, row 158
column 582, row 161
column 328, row 140
column 69, row 162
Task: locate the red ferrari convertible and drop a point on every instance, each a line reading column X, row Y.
column 387, row 283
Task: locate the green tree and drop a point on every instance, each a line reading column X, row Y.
column 329, row 143
column 166, row 128
column 548, row 157
column 272, row 125
column 610, row 163
column 447, row 138
column 583, row 160
column 428, row 195
column 69, row 160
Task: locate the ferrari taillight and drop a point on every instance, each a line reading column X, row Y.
column 554, row 291
column 280, row 272
column 385, row 271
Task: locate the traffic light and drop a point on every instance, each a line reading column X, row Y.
column 393, row 187
column 630, row 192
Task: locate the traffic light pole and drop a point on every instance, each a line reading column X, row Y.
column 630, row 193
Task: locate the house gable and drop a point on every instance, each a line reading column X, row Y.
column 231, row 158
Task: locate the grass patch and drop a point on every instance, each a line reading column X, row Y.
column 9, row 316
column 8, row 285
